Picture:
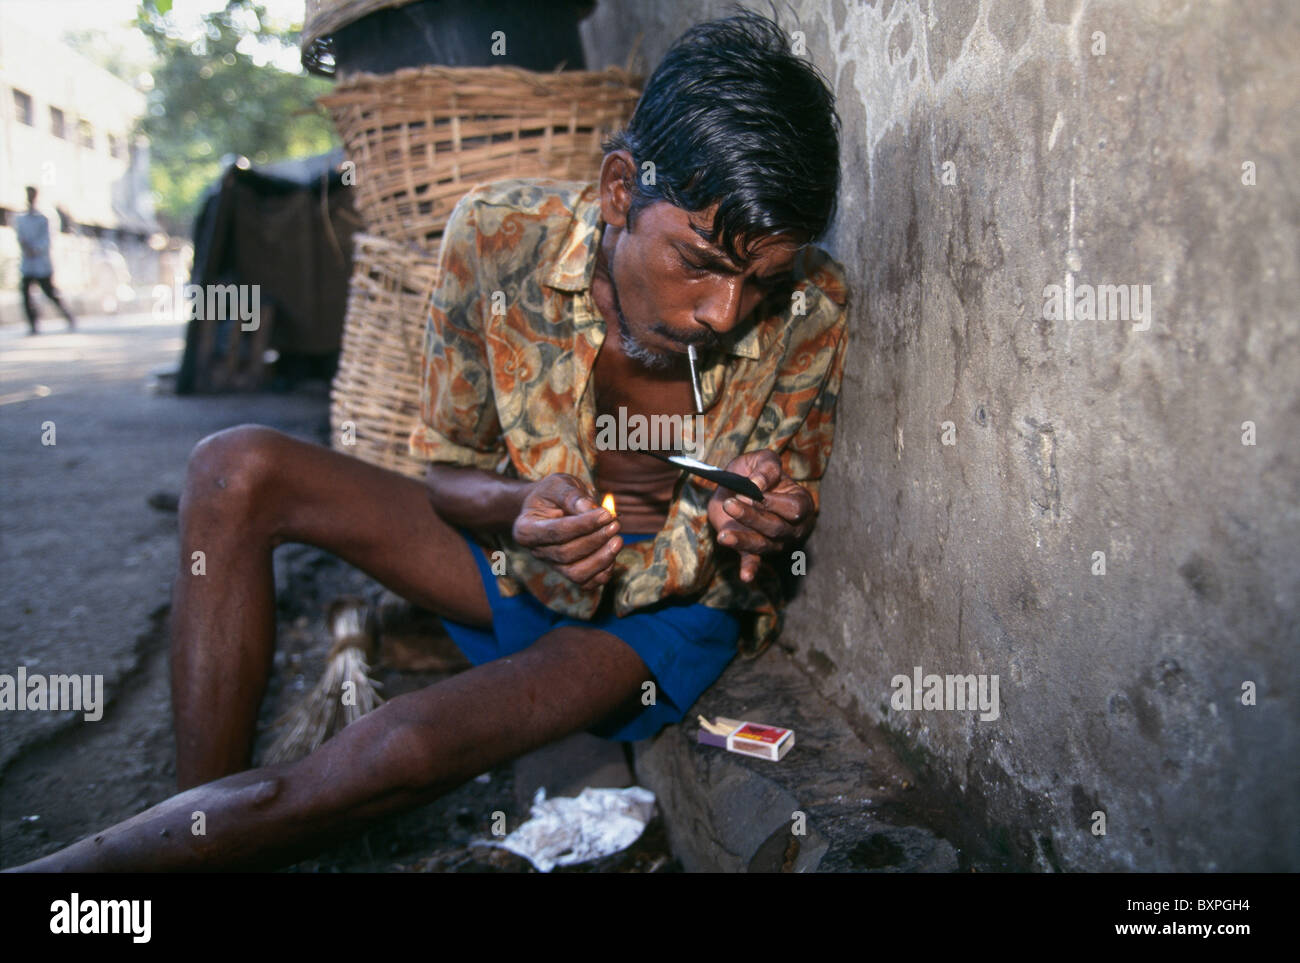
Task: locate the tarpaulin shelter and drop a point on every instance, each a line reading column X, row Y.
column 287, row 228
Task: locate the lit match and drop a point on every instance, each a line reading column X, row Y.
column 607, row 503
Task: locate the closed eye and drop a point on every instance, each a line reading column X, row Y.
column 765, row 284
column 698, row 270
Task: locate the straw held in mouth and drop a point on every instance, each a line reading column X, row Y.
column 695, row 378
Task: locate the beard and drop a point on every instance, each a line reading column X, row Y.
column 639, row 352
column 634, row 348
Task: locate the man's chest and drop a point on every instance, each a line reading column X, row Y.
column 618, row 388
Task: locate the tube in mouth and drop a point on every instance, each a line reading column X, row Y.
column 695, row 378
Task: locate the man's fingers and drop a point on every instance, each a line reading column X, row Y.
column 561, row 524
column 600, row 578
column 577, row 501
column 566, row 553
column 556, row 531
column 744, row 539
column 762, row 466
column 588, row 570
column 767, row 473
column 794, row 508
column 768, row 523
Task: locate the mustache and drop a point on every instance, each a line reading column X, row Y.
column 702, row 339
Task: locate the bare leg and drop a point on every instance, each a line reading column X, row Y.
column 249, row 489
column 405, row 753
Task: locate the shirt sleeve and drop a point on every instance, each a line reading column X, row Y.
column 808, row 386
column 458, row 422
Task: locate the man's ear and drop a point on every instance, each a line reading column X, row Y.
column 617, row 180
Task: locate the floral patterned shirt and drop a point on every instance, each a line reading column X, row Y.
column 507, row 386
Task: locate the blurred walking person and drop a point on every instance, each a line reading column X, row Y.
column 34, row 239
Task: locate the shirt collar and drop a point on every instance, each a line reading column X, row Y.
column 576, row 263
column 575, row 266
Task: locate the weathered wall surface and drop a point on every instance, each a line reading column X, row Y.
column 992, row 149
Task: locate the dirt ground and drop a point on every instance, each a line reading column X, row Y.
column 89, row 548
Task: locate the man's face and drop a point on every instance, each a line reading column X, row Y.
column 672, row 288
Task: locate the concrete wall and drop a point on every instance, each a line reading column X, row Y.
column 1119, row 692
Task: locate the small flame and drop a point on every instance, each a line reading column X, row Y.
column 607, row 503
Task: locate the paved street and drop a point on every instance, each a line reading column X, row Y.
column 84, row 560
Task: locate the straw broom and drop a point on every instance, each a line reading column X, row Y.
column 333, row 704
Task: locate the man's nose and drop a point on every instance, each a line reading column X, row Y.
column 720, row 310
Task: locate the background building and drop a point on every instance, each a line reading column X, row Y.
column 68, row 129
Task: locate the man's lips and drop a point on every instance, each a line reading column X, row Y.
column 707, row 340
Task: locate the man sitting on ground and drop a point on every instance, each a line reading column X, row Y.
column 558, row 302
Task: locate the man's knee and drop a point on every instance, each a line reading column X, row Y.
column 232, row 471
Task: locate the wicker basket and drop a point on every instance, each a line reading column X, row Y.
column 377, row 386
column 421, row 137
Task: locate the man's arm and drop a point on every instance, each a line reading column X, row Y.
column 472, row 498
column 790, row 476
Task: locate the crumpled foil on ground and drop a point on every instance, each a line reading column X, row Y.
column 568, row 830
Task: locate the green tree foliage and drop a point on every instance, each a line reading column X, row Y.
column 106, row 50
column 210, row 99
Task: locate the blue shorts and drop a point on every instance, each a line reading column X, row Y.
column 686, row 646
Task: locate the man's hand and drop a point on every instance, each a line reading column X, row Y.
column 783, row 518
column 561, row 523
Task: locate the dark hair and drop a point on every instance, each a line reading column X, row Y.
column 731, row 116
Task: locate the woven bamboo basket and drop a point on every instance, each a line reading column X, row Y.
column 421, row 137
column 375, row 399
